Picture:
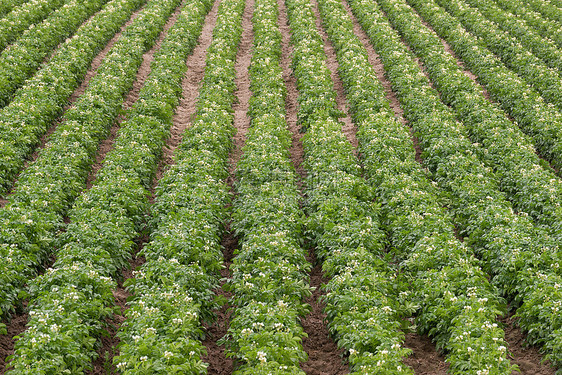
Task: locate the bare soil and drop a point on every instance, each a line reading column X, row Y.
column 425, row 360
column 324, row 356
column 219, row 364
column 291, row 98
column 528, row 358
column 243, row 92
column 15, row 327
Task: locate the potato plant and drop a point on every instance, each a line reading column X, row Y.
column 517, row 254
column 39, row 102
column 23, row 15
column 174, row 291
column 270, row 268
column 48, row 187
column 25, row 56
column 542, row 121
column 522, row 175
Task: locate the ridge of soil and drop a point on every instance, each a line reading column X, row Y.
column 324, row 357
column 219, row 364
column 425, row 359
column 185, row 111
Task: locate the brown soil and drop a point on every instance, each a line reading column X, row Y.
column 104, row 363
column 15, row 327
column 324, row 357
column 425, row 360
column 528, row 358
column 190, row 84
column 243, row 92
column 219, row 364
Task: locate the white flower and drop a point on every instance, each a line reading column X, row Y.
column 262, row 357
column 168, row 354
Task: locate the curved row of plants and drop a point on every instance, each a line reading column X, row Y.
column 456, row 303
column 546, row 80
column 544, row 26
column 270, row 269
column 73, row 298
column 19, row 18
column 543, row 48
column 42, row 99
column 363, row 306
column 517, row 254
column 25, row 56
column 7, row 6
column 540, row 120
column 46, row 190
column 174, row 289
column 501, row 144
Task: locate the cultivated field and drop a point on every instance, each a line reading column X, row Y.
column 246, row 187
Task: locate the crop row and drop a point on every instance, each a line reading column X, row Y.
column 47, row 188
column 513, row 251
column 7, row 6
column 22, row 17
column 518, row 99
column 546, row 80
column 501, row 145
column 457, row 305
column 362, row 306
column 71, row 300
column 545, row 27
column 22, row 59
column 37, row 104
column 544, row 49
column 270, row 269
column 174, row 289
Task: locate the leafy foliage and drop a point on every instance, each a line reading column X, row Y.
column 106, row 219
column 514, row 251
